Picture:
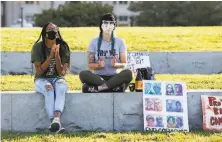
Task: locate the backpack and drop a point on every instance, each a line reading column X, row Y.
column 147, row 73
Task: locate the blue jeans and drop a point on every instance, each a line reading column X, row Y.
column 55, row 97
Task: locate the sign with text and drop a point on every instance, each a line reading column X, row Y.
column 137, row 60
column 165, row 106
column 212, row 112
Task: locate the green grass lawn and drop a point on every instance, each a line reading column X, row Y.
column 193, row 136
column 136, row 38
column 193, row 81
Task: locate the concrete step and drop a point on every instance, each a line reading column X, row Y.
column 24, row 111
column 161, row 62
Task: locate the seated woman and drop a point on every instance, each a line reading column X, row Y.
column 51, row 57
column 107, row 56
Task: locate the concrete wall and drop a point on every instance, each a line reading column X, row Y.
column 24, row 111
column 162, row 62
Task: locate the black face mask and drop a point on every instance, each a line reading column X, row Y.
column 51, row 35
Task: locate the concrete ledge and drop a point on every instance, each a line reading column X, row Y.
column 6, row 111
column 81, row 112
column 128, row 111
column 162, row 62
column 198, row 62
column 88, row 112
column 24, row 111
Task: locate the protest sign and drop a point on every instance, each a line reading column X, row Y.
column 165, row 106
column 137, row 60
column 212, row 112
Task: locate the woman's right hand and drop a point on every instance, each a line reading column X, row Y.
column 101, row 63
column 53, row 50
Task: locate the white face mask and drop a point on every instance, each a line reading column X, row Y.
column 108, row 27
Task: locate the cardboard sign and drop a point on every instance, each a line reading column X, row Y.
column 165, row 106
column 212, row 112
column 137, row 60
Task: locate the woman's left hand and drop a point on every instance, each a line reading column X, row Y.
column 113, row 61
column 57, row 50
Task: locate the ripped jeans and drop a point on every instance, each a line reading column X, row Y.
column 55, row 97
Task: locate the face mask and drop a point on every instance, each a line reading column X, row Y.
column 51, row 35
column 108, row 26
column 51, row 32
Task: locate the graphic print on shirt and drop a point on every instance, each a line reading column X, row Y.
column 107, row 54
column 51, row 69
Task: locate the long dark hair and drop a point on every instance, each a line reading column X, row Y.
column 59, row 40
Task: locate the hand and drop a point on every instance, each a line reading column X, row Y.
column 52, row 53
column 101, row 63
column 57, row 50
column 113, row 61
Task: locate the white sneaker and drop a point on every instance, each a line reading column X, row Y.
column 55, row 125
column 60, row 131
